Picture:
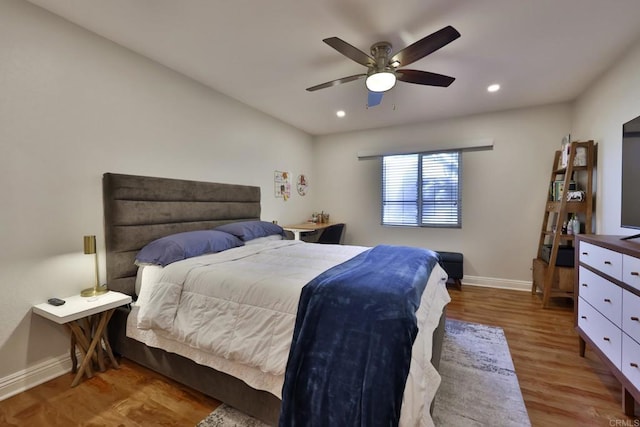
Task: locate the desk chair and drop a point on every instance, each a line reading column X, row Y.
column 332, row 234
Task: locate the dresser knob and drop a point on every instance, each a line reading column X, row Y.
column 585, row 285
column 584, row 317
column 607, row 300
column 635, row 318
column 633, row 365
column 606, row 339
column 585, row 253
column 635, row 273
column 607, row 263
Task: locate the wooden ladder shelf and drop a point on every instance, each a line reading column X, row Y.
column 549, row 278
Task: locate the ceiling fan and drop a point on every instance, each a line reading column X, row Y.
column 383, row 71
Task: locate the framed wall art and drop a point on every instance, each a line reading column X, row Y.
column 302, row 183
column 282, row 185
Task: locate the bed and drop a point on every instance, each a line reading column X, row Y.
column 139, row 210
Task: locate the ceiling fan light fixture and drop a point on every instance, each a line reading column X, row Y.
column 381, row 81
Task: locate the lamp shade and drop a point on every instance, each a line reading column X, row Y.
column 381, row 82
column 89, row 244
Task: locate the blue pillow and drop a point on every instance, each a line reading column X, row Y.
column 185, row 245
column 249, row 230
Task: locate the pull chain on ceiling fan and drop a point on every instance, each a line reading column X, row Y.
column 383, row 71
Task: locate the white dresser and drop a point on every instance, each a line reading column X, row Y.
column 608, row 300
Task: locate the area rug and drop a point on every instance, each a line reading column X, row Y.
column 226, row 416
column 479, row 384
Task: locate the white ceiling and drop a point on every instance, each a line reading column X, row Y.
column 264, row 53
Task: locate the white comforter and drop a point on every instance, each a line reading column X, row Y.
column 235, row 311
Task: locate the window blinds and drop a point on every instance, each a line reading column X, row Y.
column 422, row 189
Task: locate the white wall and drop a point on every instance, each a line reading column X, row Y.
column 73, row 106
column 503, row 197
column 599, row 115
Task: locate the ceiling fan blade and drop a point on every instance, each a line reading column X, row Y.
column 336, row 82
column 425, row 46
column 374, row 98
column 349, row 51
column 424, row 78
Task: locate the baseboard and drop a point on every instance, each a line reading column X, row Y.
column 492, row 282
column 33, row 376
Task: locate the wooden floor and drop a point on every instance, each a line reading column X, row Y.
column 130, row 396
column 559, row 387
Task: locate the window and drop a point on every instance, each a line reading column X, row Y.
column 422, row 189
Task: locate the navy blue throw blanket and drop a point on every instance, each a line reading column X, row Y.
column 352, row 341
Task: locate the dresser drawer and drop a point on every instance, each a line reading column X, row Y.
column 605, row 260
column 631, row 315
column 604, row 334
column 631, row 360
column 631, row 271
column 588, row 318
column 605, row 296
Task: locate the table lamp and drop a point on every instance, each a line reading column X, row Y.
column 90, row 248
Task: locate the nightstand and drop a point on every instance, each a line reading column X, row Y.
column 87, row 320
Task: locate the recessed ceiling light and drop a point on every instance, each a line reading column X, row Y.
column 340, row 113
column 493, row 88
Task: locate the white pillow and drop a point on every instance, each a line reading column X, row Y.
column 146, row 279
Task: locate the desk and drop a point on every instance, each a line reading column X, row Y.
column 306, row 227
column 87, row 319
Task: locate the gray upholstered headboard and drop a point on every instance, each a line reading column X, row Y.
column 140, row 209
